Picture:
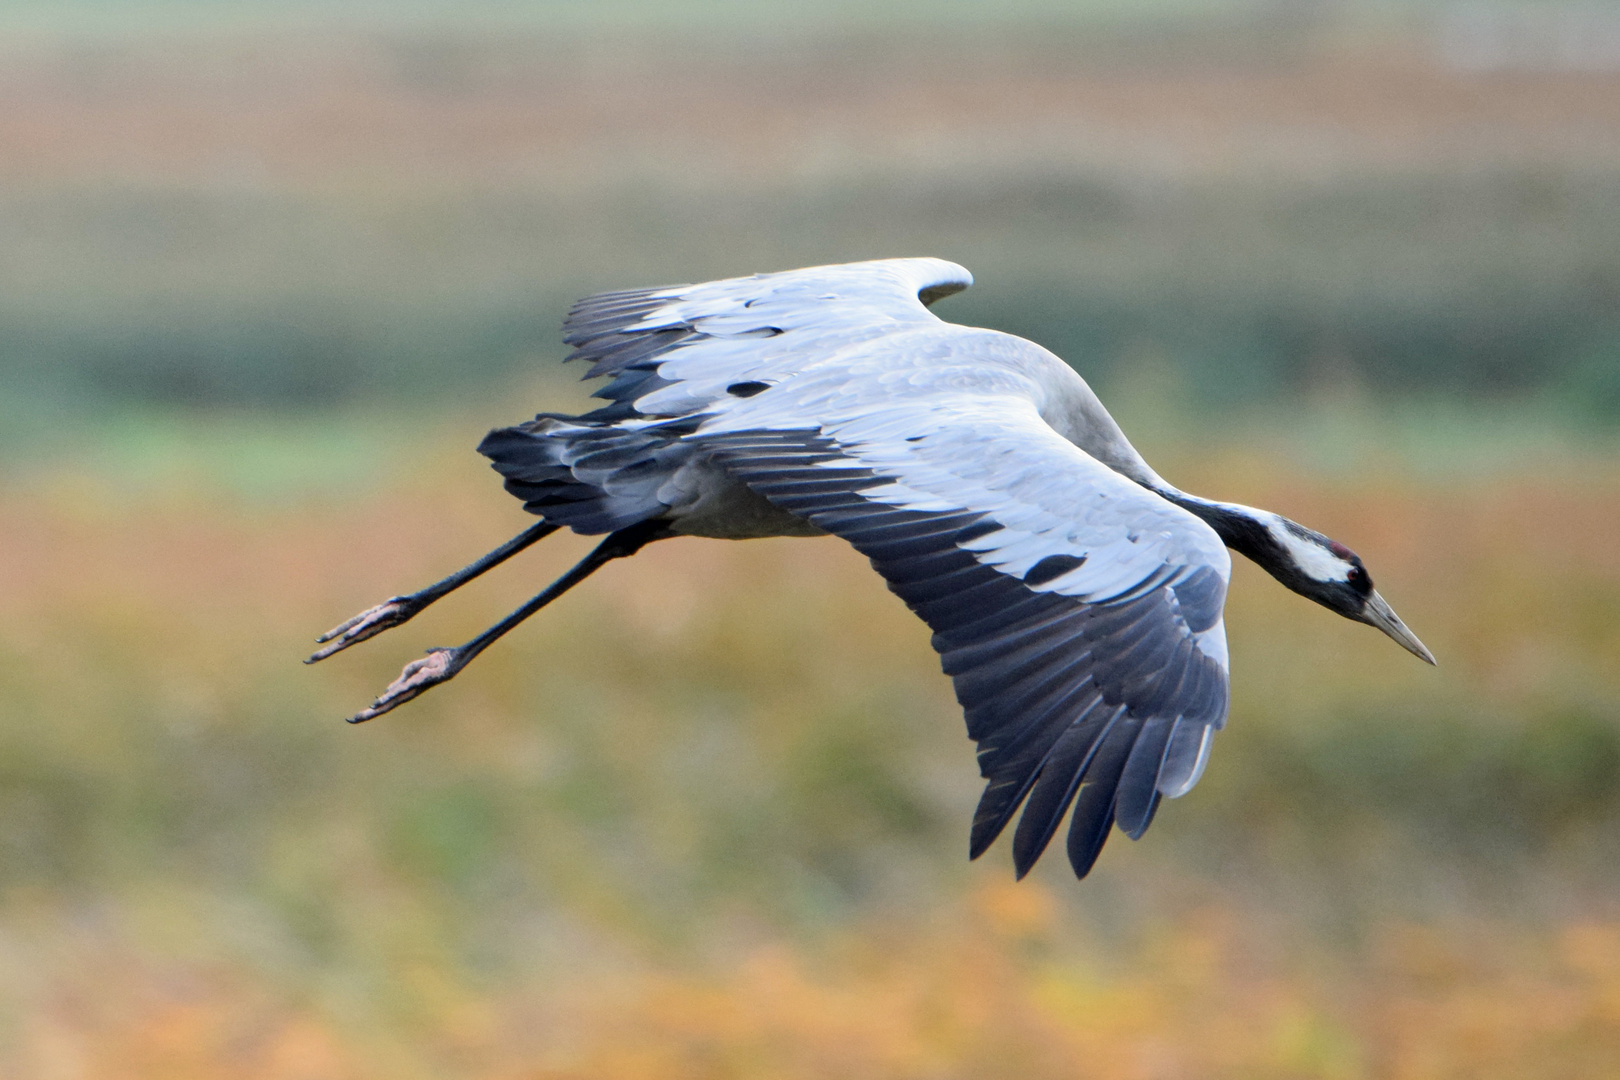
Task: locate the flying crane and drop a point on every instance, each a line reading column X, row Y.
column 1075, row 596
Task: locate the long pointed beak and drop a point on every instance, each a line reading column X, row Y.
column 1380, row 614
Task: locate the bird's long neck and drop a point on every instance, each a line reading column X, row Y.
column 1244, row 529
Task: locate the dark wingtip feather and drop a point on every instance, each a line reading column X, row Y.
column 1147, row 818
column 1048, row 801
column 1138, row 794
column 1094, row 810
column 996, row 808
column 1085, row 846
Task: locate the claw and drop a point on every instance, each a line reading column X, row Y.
column 367, row 624
column 418, row 677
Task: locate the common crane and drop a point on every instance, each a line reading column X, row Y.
column 1075, row 596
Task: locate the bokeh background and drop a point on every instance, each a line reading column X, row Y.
column 269, row 271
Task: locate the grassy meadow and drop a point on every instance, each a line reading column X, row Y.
column 268, row 274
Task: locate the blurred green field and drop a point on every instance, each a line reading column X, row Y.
column 311, row 211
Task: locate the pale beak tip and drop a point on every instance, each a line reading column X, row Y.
column 1380, row 614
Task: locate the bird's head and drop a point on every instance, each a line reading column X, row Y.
column 1329, row 573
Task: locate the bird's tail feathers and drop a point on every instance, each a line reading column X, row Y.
column 591, row 476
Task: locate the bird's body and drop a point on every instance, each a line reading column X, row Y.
column 936, row 372
column 1074, row 595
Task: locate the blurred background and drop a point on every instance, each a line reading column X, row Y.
column 268, row 271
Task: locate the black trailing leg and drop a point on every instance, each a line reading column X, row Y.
column 442, row 664
column 398, row 609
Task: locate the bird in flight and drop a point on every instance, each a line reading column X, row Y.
column 1075, row 597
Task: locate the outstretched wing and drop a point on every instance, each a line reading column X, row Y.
column 1078, row 614
column 671, row 351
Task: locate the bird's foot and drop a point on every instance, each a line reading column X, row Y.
column 368, row 624
column 419, row 676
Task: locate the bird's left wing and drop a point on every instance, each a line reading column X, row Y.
column 1078, row 614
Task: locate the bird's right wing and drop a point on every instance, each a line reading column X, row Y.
column 1078, row 614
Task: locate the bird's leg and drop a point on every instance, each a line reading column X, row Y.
column 397, row 609
column 442, row 664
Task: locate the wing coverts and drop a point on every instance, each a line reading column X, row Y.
column 742, row 330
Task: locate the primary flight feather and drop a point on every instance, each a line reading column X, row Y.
column 1074, row 595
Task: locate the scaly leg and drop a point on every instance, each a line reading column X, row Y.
column 442, row 664
column 399, row 609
